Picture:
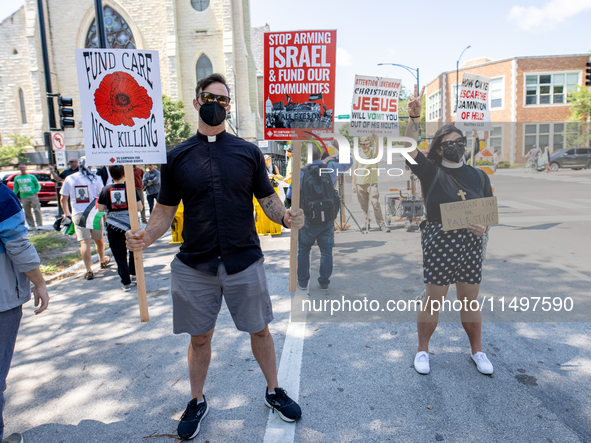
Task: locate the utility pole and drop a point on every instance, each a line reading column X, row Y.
column 49, row 97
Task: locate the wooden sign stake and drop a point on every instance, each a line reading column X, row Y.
column 138, row 256
column 295, row 205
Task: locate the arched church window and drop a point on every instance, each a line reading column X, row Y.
column 203, row 67
column 200, row 5
column 21, row 103
column 119, row 35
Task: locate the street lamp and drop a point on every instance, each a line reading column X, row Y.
column 457, row 77
column 408, row 68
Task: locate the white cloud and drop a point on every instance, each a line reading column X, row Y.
column 534, row 18
column 344, row 58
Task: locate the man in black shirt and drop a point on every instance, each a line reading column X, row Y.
column 215, row 174
column 73, row 163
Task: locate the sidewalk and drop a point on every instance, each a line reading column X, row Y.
column 88, row 371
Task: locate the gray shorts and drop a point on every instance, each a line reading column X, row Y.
column 197, row 298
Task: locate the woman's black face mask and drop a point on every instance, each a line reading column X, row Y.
column 453, row 150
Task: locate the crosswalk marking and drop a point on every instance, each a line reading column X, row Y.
column 558, row 178
column 517, row 205
column 562, row 204
column 544, row 219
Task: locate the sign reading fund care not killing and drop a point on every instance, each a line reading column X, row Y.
column 375, row 106
column 299, row 91
column 121, row 103
column 473, row 103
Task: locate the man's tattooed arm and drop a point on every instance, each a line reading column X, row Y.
column 273, row 208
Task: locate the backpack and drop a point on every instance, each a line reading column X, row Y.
column 318, row 197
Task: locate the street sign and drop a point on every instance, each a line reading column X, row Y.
column 60, row 159
column 263, row 144
column 344, row 117
column 58, row 141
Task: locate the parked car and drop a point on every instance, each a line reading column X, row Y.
column 47, row 192
column 574, row 158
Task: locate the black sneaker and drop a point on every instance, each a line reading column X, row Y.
column 287, row 409
column 191, row 419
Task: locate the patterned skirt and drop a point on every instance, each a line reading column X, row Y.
column 451, row 256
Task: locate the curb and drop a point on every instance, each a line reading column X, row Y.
column 74, row 268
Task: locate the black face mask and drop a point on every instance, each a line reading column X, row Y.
column 453, row 153
column 212, row 114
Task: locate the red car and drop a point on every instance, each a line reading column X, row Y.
column 47, row 192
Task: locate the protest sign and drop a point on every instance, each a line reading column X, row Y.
column 375, row 106
column 299, row 78
column 473, row 103
column 121, row 101
column 480, row 211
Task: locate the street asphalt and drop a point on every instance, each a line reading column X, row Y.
column 87, row 370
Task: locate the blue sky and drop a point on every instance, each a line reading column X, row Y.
column 429, row 35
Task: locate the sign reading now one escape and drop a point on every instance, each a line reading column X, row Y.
column 121, row 101
column 473, row 103
column 375, row 106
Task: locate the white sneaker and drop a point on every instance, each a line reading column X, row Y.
column 482, row 363
column 422, row 362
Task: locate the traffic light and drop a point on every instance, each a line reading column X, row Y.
column 66, row 112
column 588, row 76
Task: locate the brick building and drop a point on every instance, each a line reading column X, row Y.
column 194, row 38
column 527, row 99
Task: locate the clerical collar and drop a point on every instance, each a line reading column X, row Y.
column 211, row 138
column 452, row 165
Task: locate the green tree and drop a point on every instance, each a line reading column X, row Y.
column 580, row 111
column 11, row 154
column 175, row 127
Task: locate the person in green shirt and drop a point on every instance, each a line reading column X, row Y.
column 365, row 183
column 27, row 188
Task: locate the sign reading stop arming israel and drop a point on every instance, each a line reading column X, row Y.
column 121, row 101
column 473, row 103
column 299, row 78
column 375, row 106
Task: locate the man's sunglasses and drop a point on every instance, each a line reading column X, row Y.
column 459, row 142
column 208, row 97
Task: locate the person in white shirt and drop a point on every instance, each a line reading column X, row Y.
column 496, row 160
column 83, row 188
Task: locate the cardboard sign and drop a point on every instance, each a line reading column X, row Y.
column 473, row 103
column 121, row 102
column 375, row 106
column 480, row 211
column 299, row 89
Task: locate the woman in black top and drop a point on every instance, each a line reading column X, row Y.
column 448, row 256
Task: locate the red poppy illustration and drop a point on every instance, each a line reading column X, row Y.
column 119, row 99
